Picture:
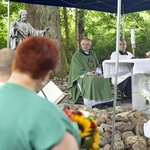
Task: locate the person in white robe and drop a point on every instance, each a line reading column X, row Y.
column 124, row 81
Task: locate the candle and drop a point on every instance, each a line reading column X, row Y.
column 132, row 36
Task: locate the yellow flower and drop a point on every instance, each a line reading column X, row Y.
column 95, row 145
column 87, row 127
column 84, row 125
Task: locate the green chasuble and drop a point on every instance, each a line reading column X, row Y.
column 92, row 87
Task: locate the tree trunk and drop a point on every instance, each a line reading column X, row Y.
column 79, row 26
column 76, row 29
column 40, row 17
column 68, row 49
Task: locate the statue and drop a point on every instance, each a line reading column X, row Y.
column 20, row 29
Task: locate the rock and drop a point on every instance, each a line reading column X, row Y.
column 126, row 134
column 103, row 141
column 139, row 146
column 98, row 121
column 137, row 114
column 63, row 88
column 106, row 135
column 124, row 114
column 103, row 125
column 96, row 110
column 96, row 114
column 119, row 109
column 101, row 120
column 109, row 122
column 107, row 147
column 131, row 116
column 148, row 142
column 125, row 127
column 100, row 129
column 134, row 121
column 136, row 140
column 108, row 129
column 117, row 124
column 117, row 137
column 120, row 118
column 119, row 145
column 105, row 115
column 139, row 129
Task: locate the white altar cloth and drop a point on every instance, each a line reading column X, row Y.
column 138, row 68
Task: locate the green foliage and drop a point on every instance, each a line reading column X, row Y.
column 100, row 27
column 3, row 27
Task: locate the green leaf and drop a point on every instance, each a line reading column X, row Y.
column 87, row 143
column 147, row 102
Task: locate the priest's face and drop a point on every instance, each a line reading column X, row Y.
column 122, row 45
column 86, row 45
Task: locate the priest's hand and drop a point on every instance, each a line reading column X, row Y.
column 93, row 73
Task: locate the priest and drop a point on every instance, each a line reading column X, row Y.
column 85, row 78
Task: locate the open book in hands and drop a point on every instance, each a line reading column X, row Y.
column 51, row 92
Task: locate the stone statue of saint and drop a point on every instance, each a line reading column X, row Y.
column 20, row 29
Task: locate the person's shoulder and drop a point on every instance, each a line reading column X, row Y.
column 113, row 53
column 129, row 53
column 76, row 53
column 92, row 52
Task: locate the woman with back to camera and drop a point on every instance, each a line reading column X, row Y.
column 29, row 121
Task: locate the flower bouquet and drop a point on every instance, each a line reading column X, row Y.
column 146, row 93
column 87, row 127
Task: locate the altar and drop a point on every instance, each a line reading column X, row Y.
column 140, row 70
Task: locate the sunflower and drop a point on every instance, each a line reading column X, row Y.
column 95, row 141
column 87, row 127
column 84, row 125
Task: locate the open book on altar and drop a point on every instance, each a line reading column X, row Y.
column 52, row 93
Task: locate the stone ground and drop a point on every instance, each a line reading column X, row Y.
column 128, row 132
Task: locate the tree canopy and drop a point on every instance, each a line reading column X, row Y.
column 100, row 27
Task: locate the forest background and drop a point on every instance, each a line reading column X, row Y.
column 69, row 25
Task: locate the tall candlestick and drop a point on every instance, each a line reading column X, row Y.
column 133, row 36
column 133, row 40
